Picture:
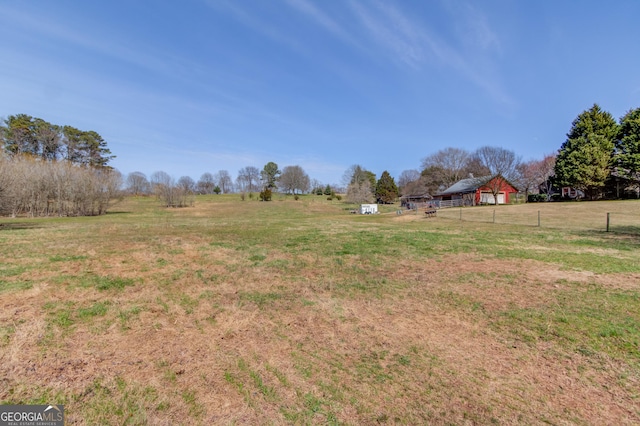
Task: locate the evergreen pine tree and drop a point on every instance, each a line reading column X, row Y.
column 627, row 155
column 386, row 189
column 585, row 158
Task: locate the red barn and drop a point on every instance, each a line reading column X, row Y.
column 474, row 191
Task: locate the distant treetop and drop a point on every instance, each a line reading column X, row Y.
column 22, row 134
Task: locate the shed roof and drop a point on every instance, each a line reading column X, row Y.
column 412, row 195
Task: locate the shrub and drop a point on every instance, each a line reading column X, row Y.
column 33, row 187
column 265, row 195
column 536, row 198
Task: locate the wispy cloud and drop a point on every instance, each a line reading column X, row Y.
column 472, row 27
column 392, row 31
column 152, row 60
column 480, row 46
column 222, row 93
column 411, row 42
column 406, row 39
column 325, row 21
column 252, row 21
column 109, row 46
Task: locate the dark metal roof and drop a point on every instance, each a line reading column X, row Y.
column 418, row 195
column 466, row 186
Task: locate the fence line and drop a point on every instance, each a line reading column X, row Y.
column 599, row 221
column 446, row 204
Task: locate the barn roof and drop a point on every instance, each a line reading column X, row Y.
column 470, row 185
column 465, row 186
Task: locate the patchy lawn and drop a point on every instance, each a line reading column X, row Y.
column 298, row 312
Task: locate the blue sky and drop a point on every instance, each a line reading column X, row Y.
column 205, row 85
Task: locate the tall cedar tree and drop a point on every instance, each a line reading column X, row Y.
column 628, row 145
column 585, row 158
column 386, row 189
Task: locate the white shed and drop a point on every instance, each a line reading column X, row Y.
column 368, row 208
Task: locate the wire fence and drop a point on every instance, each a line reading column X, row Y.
column 571, row 216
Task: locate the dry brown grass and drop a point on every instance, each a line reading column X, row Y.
column 569, row 216
column 225, row 320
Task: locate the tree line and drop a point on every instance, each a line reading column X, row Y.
column 249, row 181
column 48, row 169
column 53, row 170
column 361, row 185
column 597, row 152
column 600, row 158
column 25, row 135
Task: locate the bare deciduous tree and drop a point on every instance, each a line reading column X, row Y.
column 294, row 180
column 224, row 181
column 187, row 184
column 316, row 187
column 498, row 161
column 7, row 183
column 447, row 166
column 545, row 171
column 406, row 177
column 420, row 186
column 248, row 179
column 206, row 184
column 36, row 187
column 535, row 175
column 360, row 192
column 160, row 181
column 172, row 194
column 137, row 183
column 527, row 177
column 501, row 163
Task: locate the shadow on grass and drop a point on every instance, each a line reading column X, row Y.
column 622, row 233
column 14, row 226
column 632, row 231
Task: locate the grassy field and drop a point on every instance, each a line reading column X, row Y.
column 297, row 312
